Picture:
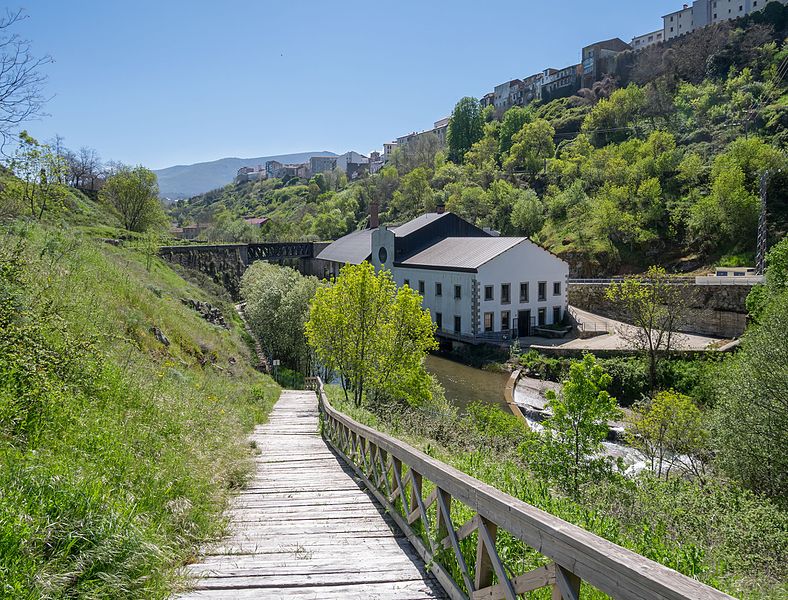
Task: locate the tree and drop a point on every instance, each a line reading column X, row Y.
column 40, row 172
column 668, row 429
column 776, row 281
column 465, row 128
column 414, row 195
column 578, row 425
column 528, row 212
column 612, row 119
column 375, row 335
column 532, row 146
column 277, row 306
column 134, row 194
column 655, row 308
column 512, row 122
column 750, row 417
column 21, row 79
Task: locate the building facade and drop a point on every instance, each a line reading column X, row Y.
column 708, row 12
column 641, row 42
column 481, row 289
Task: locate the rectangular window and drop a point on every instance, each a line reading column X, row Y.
column 556, row 288
column 407, row 282
column 523, row 292
column 505, row 293
column 504, row 320
column 556, row 315
column 488, row 322
column 439, row 320
column 542, row 317
column 488, row 293
column 421, row 288
column 457, row 324
column 438, row 288
column 457, row 292
column 542, row 291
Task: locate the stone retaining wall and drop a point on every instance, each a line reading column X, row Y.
column 717, row 310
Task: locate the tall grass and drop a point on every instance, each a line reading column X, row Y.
column 117, row 451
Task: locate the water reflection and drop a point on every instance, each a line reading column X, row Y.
column 465, row 385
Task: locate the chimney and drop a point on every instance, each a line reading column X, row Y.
column 441, row 208
column 374, row 220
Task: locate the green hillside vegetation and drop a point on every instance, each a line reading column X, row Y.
column 123, row 413
column 659, row 163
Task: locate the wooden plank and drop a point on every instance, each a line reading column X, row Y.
column 306, row 526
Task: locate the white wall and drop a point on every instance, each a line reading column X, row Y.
column 523, row 263
column 445, row 304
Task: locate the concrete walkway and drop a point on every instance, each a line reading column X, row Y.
column 305, row 528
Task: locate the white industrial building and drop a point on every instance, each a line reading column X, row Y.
column 481, row 288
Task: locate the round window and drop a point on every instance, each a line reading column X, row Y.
column 383, row 255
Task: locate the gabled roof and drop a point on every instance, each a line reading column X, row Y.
column 354, row 248
column 462, row 253
column 415, row 224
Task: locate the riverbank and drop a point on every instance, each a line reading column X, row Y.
column 714, row 531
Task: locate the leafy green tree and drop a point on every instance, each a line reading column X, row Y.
column 655, row 309
column 414, row 195
column 513, row 121
column 528, row 213
column 472, row 203
column 776, row 281
column 532, row 146
column 134, row 194
column 375, row 335
column 574, row 433
column 465, row 128
column 277, row 306
column 40, row 172
column 750, row 419
column 616, row 118
column 668, row 429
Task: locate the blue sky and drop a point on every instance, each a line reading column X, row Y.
column 176, row 82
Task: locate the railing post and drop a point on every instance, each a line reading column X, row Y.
column 567, row 585
column 484, row 568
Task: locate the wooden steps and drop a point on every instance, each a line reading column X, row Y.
column 305, row 527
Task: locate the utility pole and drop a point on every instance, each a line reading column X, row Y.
column 760, row 255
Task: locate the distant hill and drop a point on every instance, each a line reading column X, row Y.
column 185, row 181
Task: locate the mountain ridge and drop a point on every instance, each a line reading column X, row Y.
column 186, row 181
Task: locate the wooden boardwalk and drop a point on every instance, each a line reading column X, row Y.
column 305, row 527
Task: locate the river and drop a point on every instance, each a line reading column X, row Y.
column 465, row 385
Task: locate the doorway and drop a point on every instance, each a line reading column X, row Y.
column 523, row 323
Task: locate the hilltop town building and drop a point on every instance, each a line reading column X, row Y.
column 598, row 59
column 708, row 12
column 641, row 42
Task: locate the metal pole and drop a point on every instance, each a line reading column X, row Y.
column 760, row 255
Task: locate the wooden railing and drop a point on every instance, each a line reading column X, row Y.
column 421, row 495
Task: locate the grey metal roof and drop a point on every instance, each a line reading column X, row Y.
column 462, row 253
column 354, row 248
column 417, row 223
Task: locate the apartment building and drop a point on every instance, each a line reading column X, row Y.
column 702, row 13
column 641, row 42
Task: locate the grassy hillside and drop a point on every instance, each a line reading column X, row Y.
column 123, row 414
